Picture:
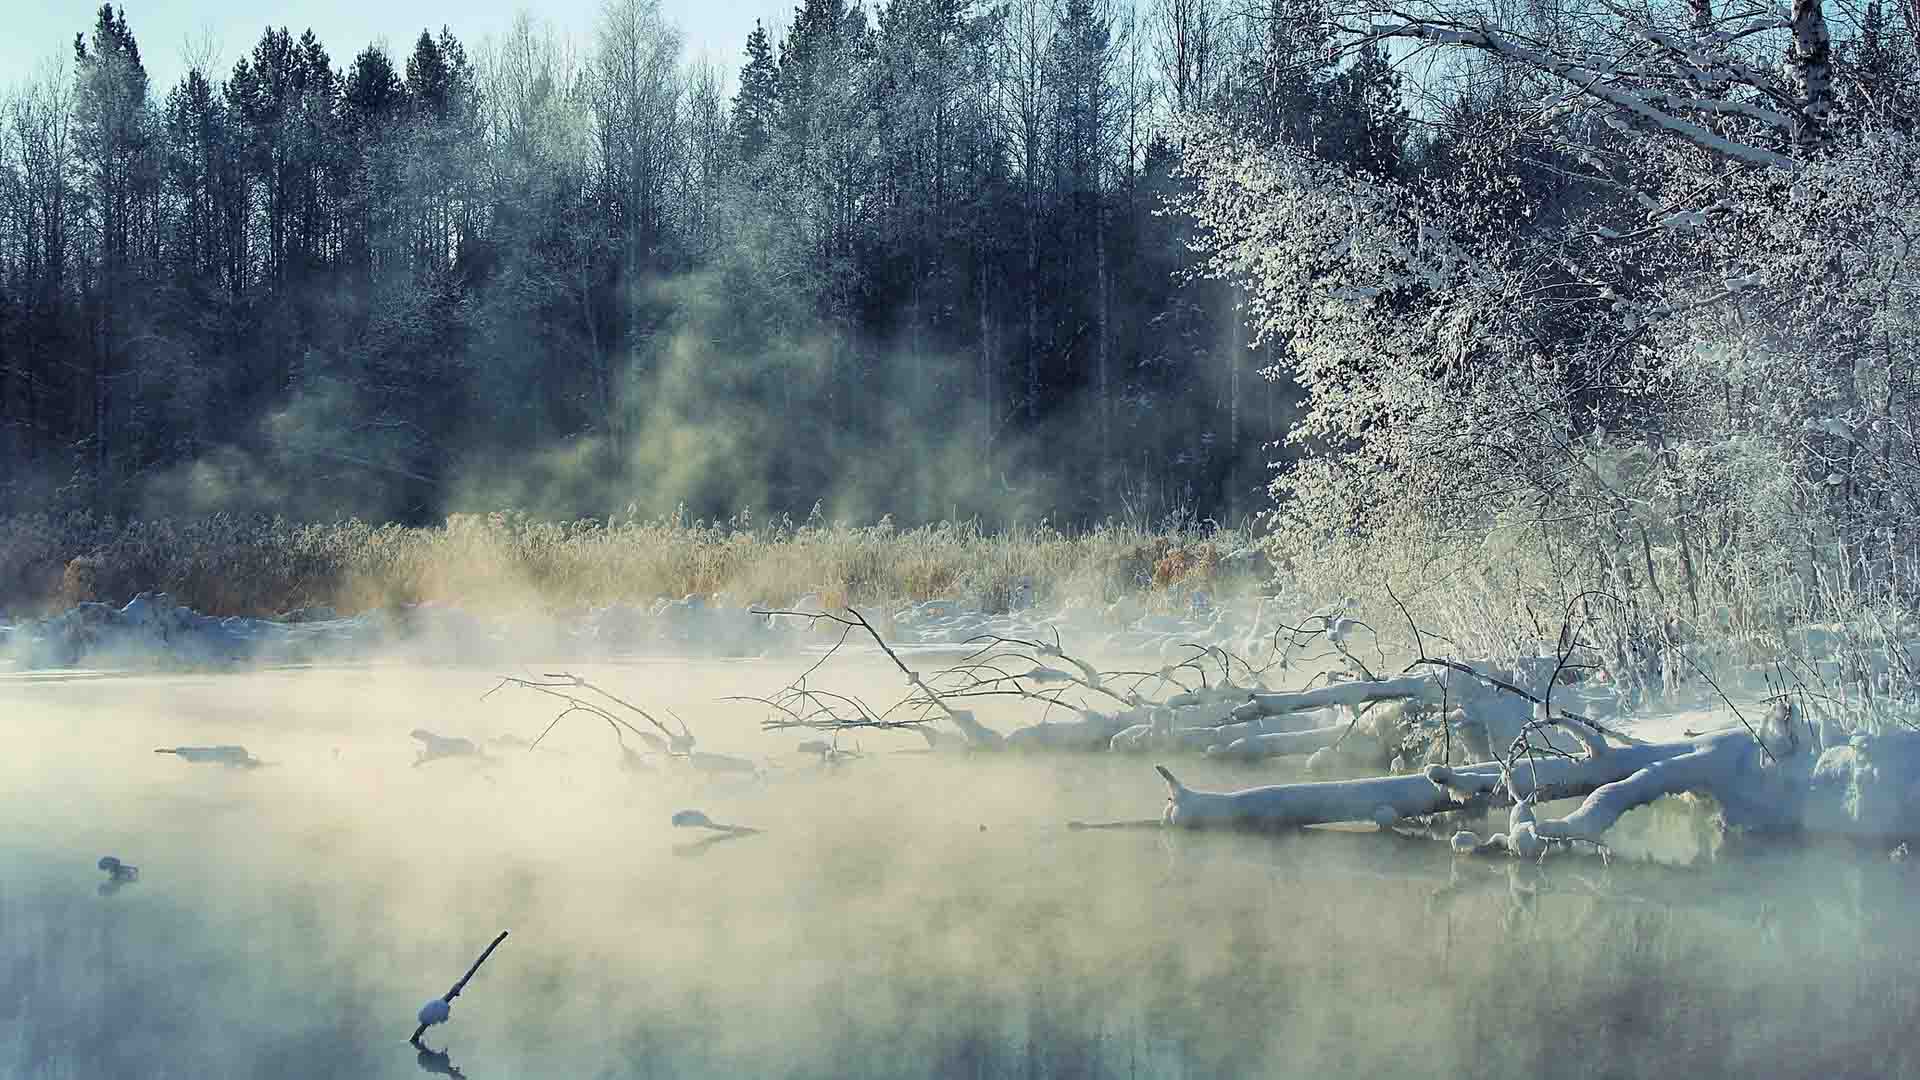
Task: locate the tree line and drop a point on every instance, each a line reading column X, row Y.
column 913, row 261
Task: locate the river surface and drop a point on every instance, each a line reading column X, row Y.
column 904, row 914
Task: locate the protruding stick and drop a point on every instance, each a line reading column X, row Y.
column 461, row 985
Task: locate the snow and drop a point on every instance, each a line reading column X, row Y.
column 153, row 631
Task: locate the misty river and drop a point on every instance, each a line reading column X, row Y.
column 903, row 914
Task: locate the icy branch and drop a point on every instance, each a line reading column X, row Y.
column 1600, row 84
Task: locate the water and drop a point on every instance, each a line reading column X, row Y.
column 904, row 915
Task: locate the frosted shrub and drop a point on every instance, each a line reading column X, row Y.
column 1721, row 430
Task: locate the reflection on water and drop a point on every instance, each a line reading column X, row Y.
column 436, row 1062
column 902, row 916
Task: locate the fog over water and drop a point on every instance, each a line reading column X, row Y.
column 904, row 914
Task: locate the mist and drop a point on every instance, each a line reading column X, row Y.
column 572, row 275
column 903, row 913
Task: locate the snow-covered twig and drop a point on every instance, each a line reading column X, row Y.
column 437, row 1010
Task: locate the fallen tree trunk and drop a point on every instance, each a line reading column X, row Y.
column 1722, row 765
column 1352, row 694
column 1774, row 778
column 1284, row 743
column 1092, row 731
column 1143, row 737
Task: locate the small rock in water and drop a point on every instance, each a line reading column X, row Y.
column 1899, row 854
column 119, row 875
column 234, row 757
column 438, row 746
column 1464, row 842
column 692, row 819
column 117, row 870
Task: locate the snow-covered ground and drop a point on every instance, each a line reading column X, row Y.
column 152, row 631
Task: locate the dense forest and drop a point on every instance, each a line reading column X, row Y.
column 916, row 261
column 941, row 259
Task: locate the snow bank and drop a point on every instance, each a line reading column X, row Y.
column 152, row 631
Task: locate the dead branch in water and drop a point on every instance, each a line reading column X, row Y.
column 679, row 744
column 800, row 705
column 437, row 1010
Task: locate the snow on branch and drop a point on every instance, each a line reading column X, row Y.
column 1688, row 89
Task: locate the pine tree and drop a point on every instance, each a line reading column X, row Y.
column 1364, row 121
column 113, row 137
column 198, row 157
column 756, row 104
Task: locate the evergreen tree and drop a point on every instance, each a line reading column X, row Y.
column 1365, row 122
column 756, row 104
column 113, row 138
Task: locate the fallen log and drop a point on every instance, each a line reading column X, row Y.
column 1143, row 737
column 978, row 735
column 1282, row 743
column 1351, row 694
column 1091, row 731
column 1441, row 789
column 1770, row 779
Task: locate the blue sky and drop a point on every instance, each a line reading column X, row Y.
column 38, row 29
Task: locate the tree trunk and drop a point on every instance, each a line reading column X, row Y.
column 989, row 390
column 1612, row 782
column 1810, row 60
column 1033, row 302
column 1775, row 778
column 1102, row 361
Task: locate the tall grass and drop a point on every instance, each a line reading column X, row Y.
column 1836, row 629
column 227, row 564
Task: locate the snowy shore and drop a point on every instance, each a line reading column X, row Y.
column 152, row 631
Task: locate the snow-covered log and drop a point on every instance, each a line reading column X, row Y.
column 978, row 735
column 1351, row 694
column 1773, row 778
column 1091, row 731
column 1168, row 734
column 1283, row 743
column 1436, row 790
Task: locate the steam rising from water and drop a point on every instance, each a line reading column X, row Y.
column 904, row 914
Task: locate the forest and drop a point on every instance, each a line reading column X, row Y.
column 1617, row 296
column 576, row 276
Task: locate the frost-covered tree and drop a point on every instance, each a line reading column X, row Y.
column 1671, row 373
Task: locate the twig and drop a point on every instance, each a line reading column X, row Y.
column 1455, row 665
column 462, row 984
column 565, row 681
